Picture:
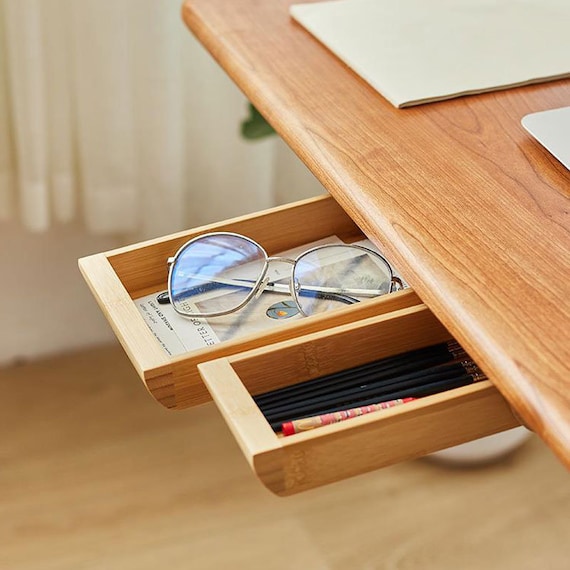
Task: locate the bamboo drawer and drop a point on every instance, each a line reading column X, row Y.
column 287, row 465
column 118, row 277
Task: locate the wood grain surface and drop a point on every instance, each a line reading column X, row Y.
column 473, row 212
column 97, row 476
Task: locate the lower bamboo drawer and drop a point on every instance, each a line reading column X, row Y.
column 287, row 465
column 117, row 278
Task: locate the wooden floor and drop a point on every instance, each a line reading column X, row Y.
column 95, row 475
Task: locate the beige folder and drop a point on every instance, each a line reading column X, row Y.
column 418, row 51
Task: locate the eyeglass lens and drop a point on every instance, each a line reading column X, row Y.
column 333, row 276
column 215, row 274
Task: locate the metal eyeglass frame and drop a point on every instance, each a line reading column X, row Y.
column 262, row 284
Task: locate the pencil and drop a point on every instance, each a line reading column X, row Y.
column 306, row 424
column 371, row 388
column 388, row 367
column 417, row 391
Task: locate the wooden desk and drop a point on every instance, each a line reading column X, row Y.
column 472, row 211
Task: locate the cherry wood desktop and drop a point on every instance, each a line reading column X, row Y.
column 472, row 211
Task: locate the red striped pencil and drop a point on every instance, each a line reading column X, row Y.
column 306, row 424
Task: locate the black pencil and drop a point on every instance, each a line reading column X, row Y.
column 375, row 391
column 355, row 378
column 360, row 382
column 391, row 366
column 369, row 385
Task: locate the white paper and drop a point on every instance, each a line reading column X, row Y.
column 415, row 51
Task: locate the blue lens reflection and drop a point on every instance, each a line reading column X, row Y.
column 215, row 273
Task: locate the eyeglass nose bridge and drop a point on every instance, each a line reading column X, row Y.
column 283, row 259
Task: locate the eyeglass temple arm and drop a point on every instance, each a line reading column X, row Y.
column 396, row 284
column 333, row 293
column 284, row 288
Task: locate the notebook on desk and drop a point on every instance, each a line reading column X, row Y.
column 419, row 51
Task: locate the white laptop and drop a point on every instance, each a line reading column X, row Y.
column 552, row 130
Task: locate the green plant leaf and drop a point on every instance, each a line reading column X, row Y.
column 255, row 127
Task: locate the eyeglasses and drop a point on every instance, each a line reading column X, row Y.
column 218, row 273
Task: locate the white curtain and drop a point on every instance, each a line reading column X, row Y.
column 112, row 114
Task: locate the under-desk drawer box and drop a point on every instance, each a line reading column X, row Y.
column 294, row 463
column 118, row 277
